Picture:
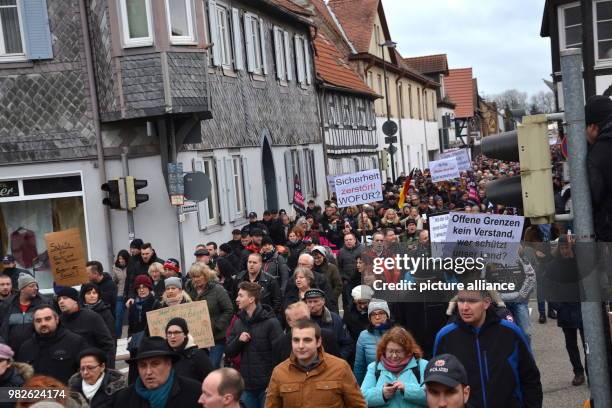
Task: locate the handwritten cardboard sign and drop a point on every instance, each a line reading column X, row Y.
column 67, row 257
column 195, row 314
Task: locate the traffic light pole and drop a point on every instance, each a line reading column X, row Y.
column 592, row 316
column 130, row 214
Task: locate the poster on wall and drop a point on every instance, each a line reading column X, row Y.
column 67, row 257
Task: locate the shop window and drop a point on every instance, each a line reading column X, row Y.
column 31, row 208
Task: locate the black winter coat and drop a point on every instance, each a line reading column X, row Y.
column 502, row 372
column 112, row 383
column 108, row 292
column 136, row 267
column 355, row 321
column 55, row 355
column 599, row 168
column 258, row 356
column 333, row 321
column 104, row 311
column 277, row 267
column 17, row 326
column 193, row 362
column 92, row 327
column 270, row 294
column 184, row 394
column 295, row 250
column 137, row 319
column 347, row 258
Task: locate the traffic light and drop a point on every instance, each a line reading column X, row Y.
column 533, row 189
column 133, row 198
column 114, row 197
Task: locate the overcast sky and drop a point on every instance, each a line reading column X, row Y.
column 499, row 39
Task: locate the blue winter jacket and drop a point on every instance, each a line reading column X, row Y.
column 414, row 392
column 365, row 352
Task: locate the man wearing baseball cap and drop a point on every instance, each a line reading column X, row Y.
column 10, row 269
column 446, row 383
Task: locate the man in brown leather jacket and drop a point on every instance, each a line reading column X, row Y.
column 310, row 377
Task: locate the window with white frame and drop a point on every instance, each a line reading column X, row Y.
column 33, row 207
column 331, row 110
column 380, row 91
column 361, row 117
column 603, row 30
column 255, row 38
column 292, row 169
column 136, row 23
column 310, row 183
column 238, row 186
column 11, row 35
column 209, row 208
column 570, row 26
column 223, row 36
column 180, row 21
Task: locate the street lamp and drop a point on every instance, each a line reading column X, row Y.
column 390, row 45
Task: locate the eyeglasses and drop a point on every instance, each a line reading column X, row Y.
column 88, row 368
column 398, row 353
column 173, row 333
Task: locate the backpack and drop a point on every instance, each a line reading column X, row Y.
column 415, row 370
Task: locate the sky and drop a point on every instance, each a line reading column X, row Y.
column 499, row 39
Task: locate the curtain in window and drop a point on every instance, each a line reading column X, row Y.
column 179, row 18
column 9, row 21
column 137, row 18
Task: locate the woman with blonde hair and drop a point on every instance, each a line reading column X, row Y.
column 204, row 285
column 156, row 273
column 365, row 227
column 391, row 220
column 395, row 379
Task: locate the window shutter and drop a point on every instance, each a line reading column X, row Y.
column 214, row 32
column 238, row 54
column 278, row 52
column 299, row 58
column 264, row 50
column 37, row 35
column 246, row 180
column 250, row 47
column 223, row 204
column 287, row 55
column 312, row 173
column 203, row 216
column 289, row 175
column 229, row 182
column 307, row 60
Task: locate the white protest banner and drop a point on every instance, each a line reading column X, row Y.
column 442, row 170
column 358, row 188
column 462, row 156
column 438, row 224
column 495, row 238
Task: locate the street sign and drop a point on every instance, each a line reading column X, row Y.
column 175, row 179
column 177, row 200
column 189, row 208
column 197, row 186
column 390, row 139
column 389, row 128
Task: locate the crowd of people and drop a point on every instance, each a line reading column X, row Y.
column 294, row 315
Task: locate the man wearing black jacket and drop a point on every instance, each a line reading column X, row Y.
column 495, row 353
column 17, row 312
column 147, row 257
column 85, row 322
column 104, row 282
column 52, row 350
column 270, row 293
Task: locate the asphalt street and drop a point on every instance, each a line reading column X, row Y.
column 555, row 368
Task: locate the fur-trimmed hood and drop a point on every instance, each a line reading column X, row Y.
column 113, row 381
column 25, row 370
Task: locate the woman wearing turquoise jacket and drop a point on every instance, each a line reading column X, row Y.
column 365, row 351
column 395, row 379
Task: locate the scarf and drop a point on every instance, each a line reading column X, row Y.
column 175, row 301
column 266, row 256
column 157, row 397
column 90, row 390
column 93, row 305
column 395, row 368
